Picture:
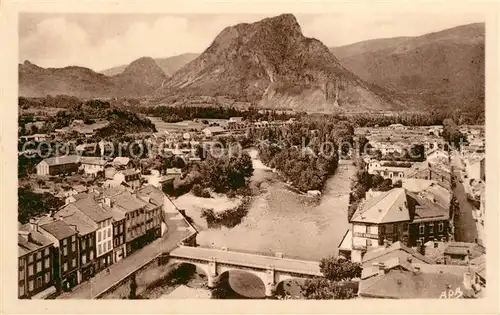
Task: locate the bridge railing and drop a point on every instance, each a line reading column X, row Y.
column 248, row 264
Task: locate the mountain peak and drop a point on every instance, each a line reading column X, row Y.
column 270, row 61
column 143, row 64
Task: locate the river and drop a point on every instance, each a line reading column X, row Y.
column 282, row 221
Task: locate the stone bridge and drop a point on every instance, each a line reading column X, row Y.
column 271, row 270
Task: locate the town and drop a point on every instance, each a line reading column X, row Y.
column 273, row 156
column 102, row 217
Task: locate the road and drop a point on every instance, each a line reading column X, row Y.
column 177, row 231
column 465, row 225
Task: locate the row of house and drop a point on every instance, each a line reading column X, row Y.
column 407, row 170
column 85, row 237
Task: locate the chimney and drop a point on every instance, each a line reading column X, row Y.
column 381, row 268
column 468, row 280
column 108, row 202
column 421, row 249
column 408, row 259
column 417, row 269
column 34, row 225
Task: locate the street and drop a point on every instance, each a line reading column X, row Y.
column 465, row 225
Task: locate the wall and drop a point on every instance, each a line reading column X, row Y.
column 146, row 276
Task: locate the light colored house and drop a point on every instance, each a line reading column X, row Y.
column 475, row 167
column 92, row 165
column 121, row 161
column 131, row 178
column 212, row 131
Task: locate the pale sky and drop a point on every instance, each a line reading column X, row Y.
column 101, row 41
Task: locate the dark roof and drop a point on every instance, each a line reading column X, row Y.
column 396, row 249
column 427, row 210
column 92, row 209
column 128, row 202
column 464, row 248
column 29, row 240
column 130, row 172
column 59, row 229
column 60, row 160
column 403, row 284
column 156, row 195
column 76, row 220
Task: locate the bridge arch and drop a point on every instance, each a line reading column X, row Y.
column 248, row 284
column 199, row 266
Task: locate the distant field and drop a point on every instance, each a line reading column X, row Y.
column 180, row 126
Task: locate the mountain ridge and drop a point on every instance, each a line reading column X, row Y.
column 142, row 77
column 443, row 69
column 270, row 62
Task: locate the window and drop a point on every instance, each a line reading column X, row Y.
column 21, row 290
column 99, row 249
column 47, row 251
column 39, row 266
column 47, row 263
column 84, row 244
column 73, row 263
column 21, row 262
column 73, row 238
column 30, row 285
column 91, row 254
column 65, row 267
column 99, row 236
column 421, row 228
column 64, row 242
column 109, row 232
column 21, row 275
column 109, row 244
column 431, row 228
column 30, row 270
column 115, row 242
column 84, row 259
column 73, row 247
column 30, row 258
column 441, row 227
column 389, row 228
column 47, row 277
column 39, row 255
column 39, row 282
column 65, row 251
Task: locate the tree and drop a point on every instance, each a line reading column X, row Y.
column 334, row 283
column 417, row 153
column 386, row 185
column 31, row 204
column 339, row 269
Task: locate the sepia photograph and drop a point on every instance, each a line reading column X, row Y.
column 337, row 155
